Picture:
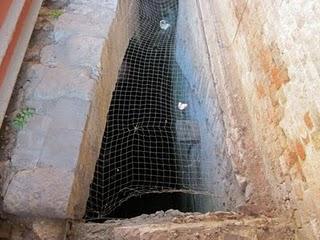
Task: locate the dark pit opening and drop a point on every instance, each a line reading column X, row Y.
column 151, row 203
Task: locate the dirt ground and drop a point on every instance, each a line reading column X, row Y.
column 187, row 226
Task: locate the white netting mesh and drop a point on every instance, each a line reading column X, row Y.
column 149, row 144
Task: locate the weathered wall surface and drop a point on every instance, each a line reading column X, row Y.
column 204, row 110
column 264, row 57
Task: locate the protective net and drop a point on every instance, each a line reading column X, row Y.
column 149, row 144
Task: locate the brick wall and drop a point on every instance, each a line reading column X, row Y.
column 264, row 57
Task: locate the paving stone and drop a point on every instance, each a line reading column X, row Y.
column 42, row 106
column 48, row 56
column 70, row 114
column 39, row 192
column 70, row 24
column 82, row 51
column 39, row 123
column 25, row 158
column 33, row 74
column 59, row 82
column 77, row 51
column 28, row 139
column 61, row 149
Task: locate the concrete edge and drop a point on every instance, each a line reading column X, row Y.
column 111, row 58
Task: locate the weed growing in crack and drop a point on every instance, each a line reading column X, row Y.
column 55, row 13
column 22, row 118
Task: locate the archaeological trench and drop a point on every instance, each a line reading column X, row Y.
column 166, row 119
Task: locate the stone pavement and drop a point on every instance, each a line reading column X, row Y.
column 69, row 84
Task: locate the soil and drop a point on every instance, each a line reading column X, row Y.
column 173, row 224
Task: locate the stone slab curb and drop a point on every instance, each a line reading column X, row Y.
column 54, row 160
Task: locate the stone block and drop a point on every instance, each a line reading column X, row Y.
column 33, row 73
column 23, row 158
column 70, row 114
column 61, row 149
column 39, row 192
column 39, row 123
column 71, row 23
column 29, row 139
column 82, row 51
column 75, row 51
column 42, row 106
column 59, row 82
column 48, row 55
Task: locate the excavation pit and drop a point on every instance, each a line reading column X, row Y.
column 171, row 143
column 163, row 146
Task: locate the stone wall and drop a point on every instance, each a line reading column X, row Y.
column 264, row 57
